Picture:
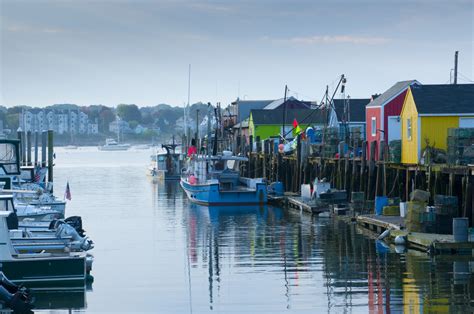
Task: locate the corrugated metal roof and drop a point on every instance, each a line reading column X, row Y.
column 291, row 103
column 305, row 116
column 392, row 92
column 444, row 99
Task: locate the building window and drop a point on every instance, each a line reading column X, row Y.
column 373, row 126
column 409, row 129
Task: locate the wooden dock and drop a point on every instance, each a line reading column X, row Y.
column 431, row 243
column 297, row 202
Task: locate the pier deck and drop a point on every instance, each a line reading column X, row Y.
column 426, row 242
column 297, row 202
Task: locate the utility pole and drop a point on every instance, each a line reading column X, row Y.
column 456, row 67
column 283, row 133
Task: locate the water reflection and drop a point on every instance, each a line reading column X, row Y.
column 298, row 261
column 60, row 300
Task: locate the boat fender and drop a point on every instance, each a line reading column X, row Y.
column 400, row 240
column 7, row 284
column 384, row 234
column 20, row 303
column 17, row 298
column 12, row 221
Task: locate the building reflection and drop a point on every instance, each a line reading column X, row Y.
column 358, row 272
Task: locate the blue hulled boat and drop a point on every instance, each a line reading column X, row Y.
column 215, row 180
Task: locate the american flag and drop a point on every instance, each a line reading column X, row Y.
column 67, row 194
column 37, row 173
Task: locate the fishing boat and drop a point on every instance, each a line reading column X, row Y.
column 113, row 145
column 215, row 180
column 166, row 164
column 40, row 270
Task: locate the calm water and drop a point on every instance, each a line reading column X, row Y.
column 155, row 252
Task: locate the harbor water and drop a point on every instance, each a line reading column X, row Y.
column 156, row 252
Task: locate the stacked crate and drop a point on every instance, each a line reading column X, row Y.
column 446, row 208
column 460, row 146
column 395, row 151
column 330, row 142
column 357, row 201
column 414, row 216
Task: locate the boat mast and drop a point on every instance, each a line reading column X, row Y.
column 186, row 109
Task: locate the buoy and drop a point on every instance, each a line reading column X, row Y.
column 400, row 240
column 384, row 234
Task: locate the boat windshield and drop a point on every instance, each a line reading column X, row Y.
column 9, row 158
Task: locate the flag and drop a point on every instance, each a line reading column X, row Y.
column 37, row 173
column 296, row 128
column 67, row 193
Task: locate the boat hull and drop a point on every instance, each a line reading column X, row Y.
column 211, row 195
column 46, row 273
column 113, row 149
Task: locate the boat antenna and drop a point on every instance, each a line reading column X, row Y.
column 214, row 147
column 284, row 115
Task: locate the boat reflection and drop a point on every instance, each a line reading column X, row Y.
column 312, row 259
column 60, row 300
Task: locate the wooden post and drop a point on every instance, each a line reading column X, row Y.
column 363, row 161
column 50, row 155
column 250, row 156
column 44, row 141
column 370, row 182
column 22, row 148
column 407, row 185
column 298, row 163
column 36, row 147
column 28, row 148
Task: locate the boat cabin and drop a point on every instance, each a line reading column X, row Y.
column 223, row 169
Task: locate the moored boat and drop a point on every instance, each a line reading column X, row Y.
column 166, row 165
column 113, row 145
column 215, row 180
column 40, row 270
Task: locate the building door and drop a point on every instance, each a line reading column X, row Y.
column 466, row 122
column 394, row 128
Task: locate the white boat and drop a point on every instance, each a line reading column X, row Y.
column 142, row 146
column 113, row 145
column 70, row 147
column 166, row 165
column 43, row 270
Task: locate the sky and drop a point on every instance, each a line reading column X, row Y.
column 139, row 52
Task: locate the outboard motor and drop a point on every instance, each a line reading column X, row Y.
column 12, row 221
column 78, row 242
column 17, row 298
column 76, row 222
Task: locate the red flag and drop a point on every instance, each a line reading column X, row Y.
column 67, row 194
column 295, row 123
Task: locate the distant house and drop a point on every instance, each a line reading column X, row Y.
column 351, row 112
column 383, row 115
column 428, row 111
column 242, row 129
column 239, row 110
column 139, row 129
column 290, row 103
column 119, row 125
column 269, row 123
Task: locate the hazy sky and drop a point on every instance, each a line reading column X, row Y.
column 110, row 52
